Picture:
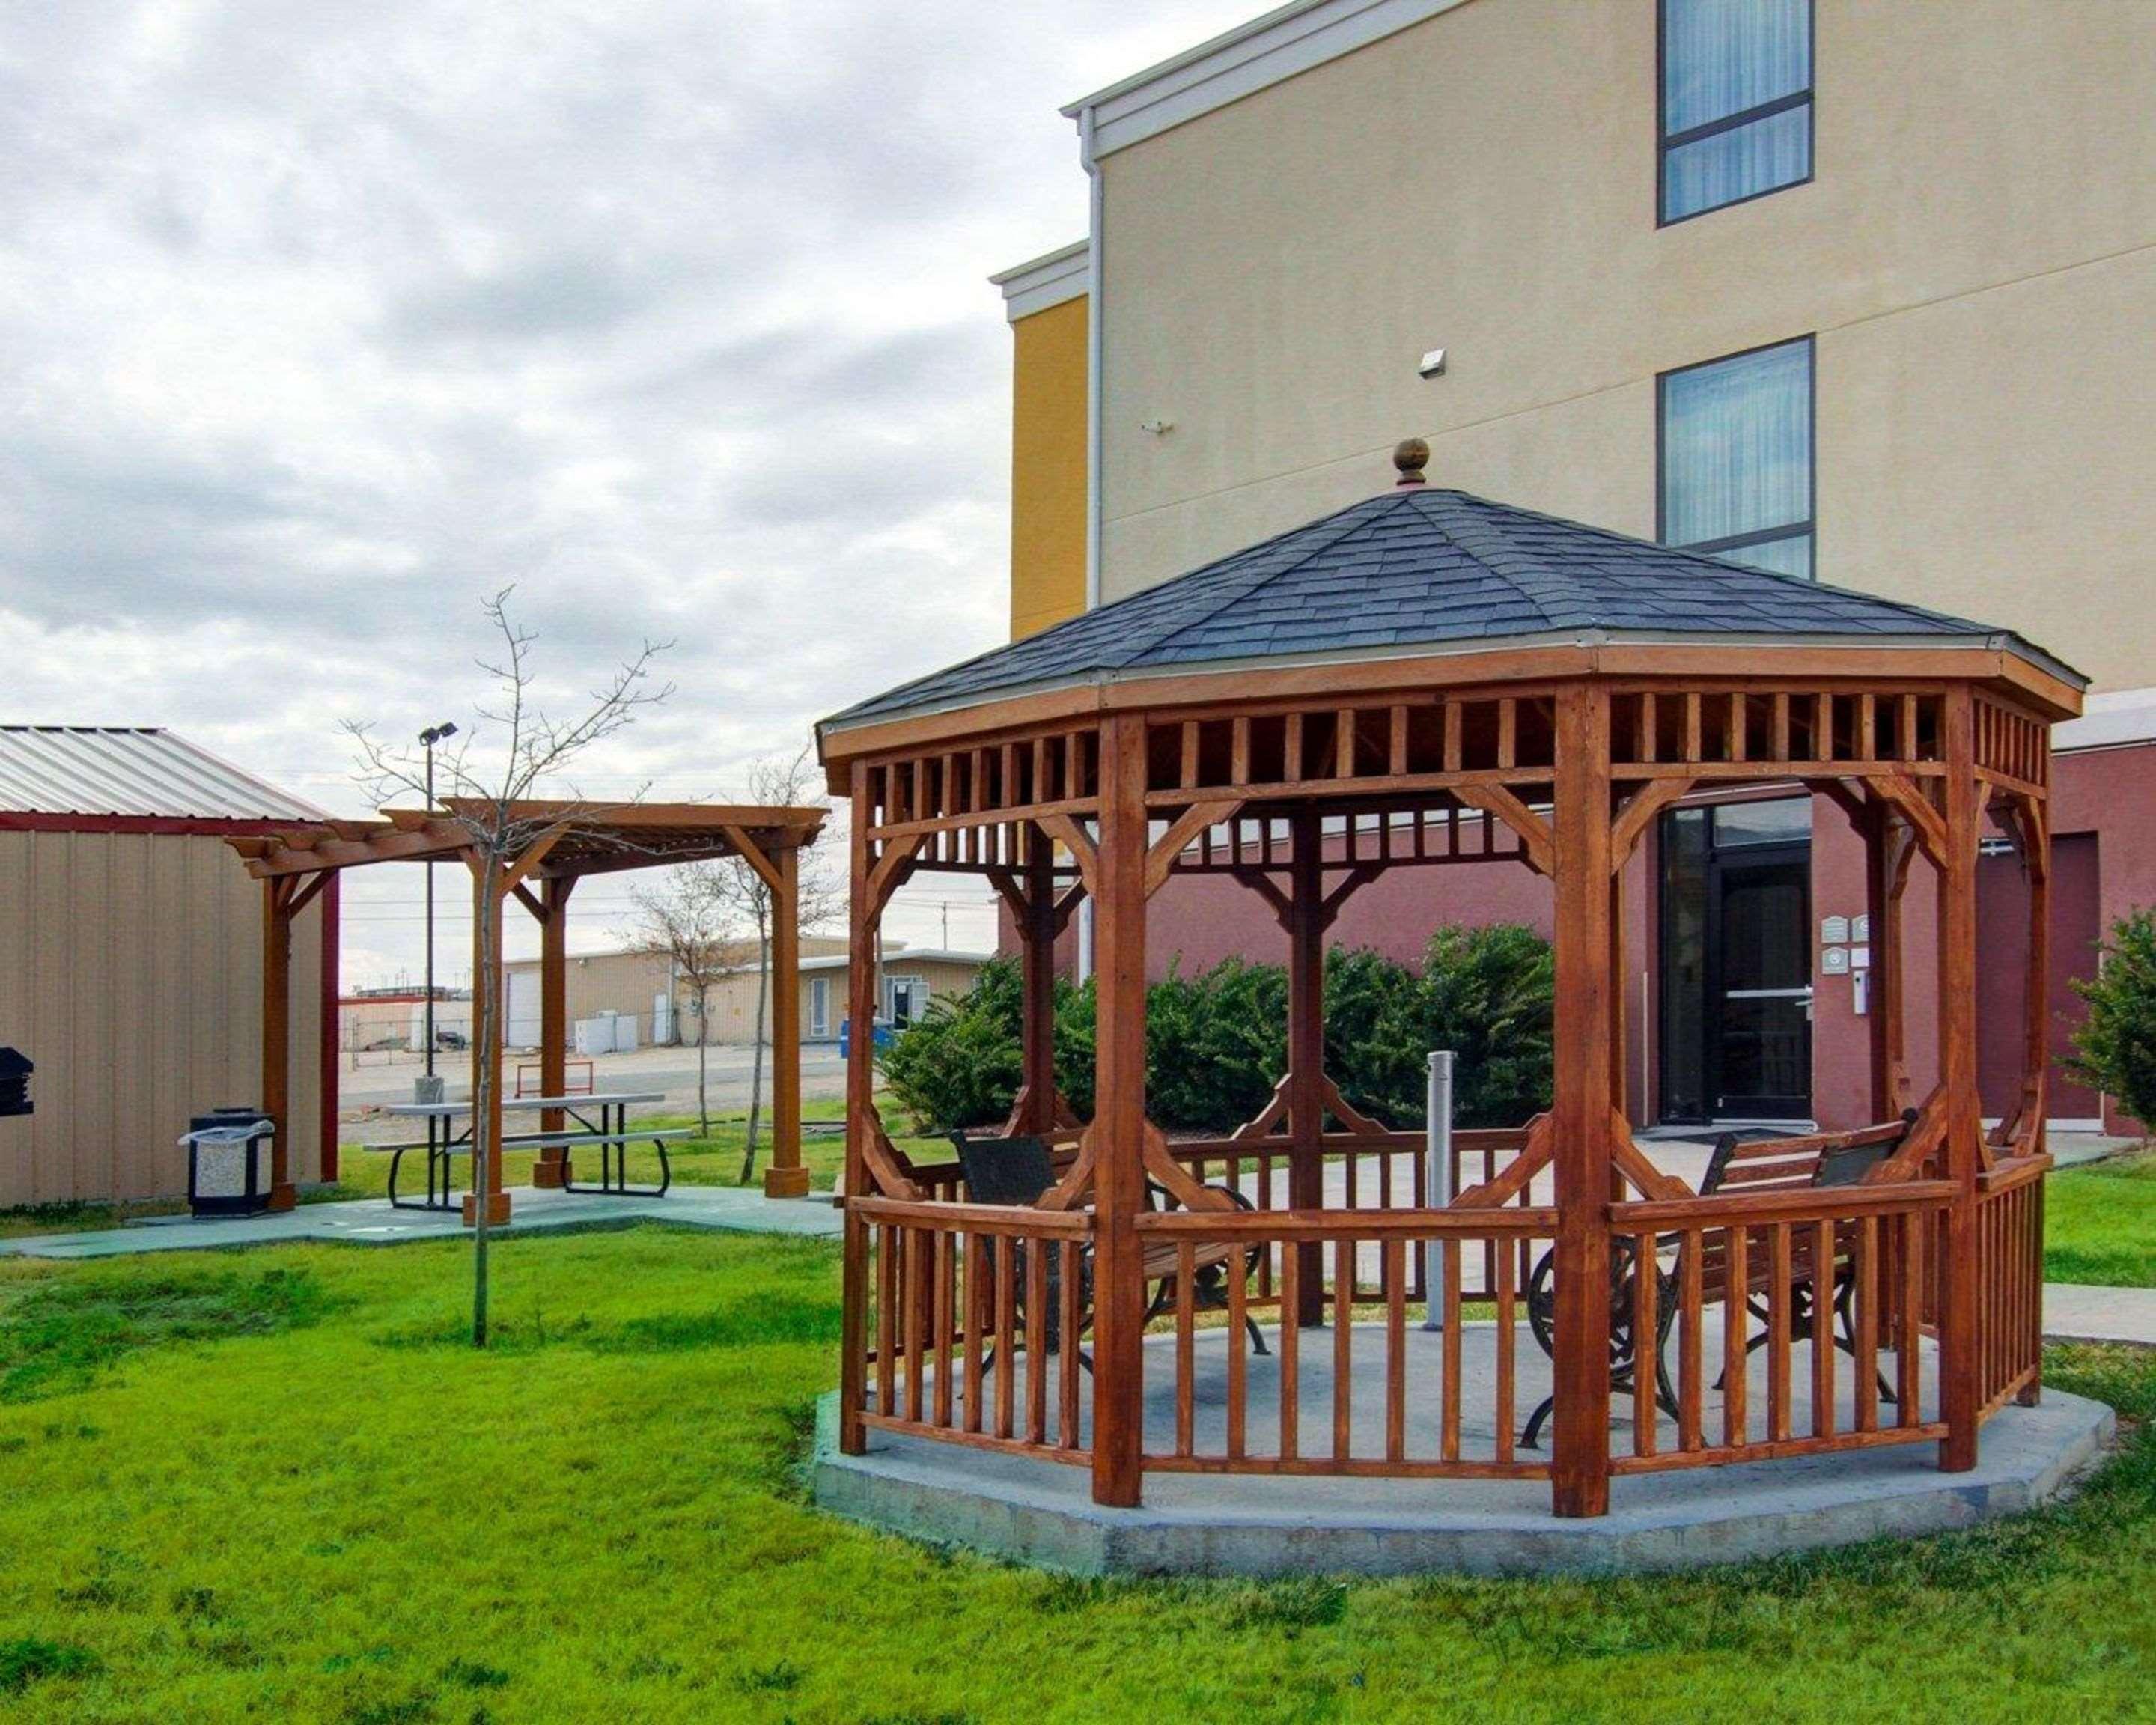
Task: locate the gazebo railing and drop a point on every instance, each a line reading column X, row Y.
column 1789, row 1323
column 1368, row 1394
column 1774, row 1324
column 2009, row 1279
column 973, row 1324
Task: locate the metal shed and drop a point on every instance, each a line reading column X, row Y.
column 130, row 961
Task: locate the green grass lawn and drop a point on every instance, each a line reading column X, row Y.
column 2100, row 1222
column 273, row 1485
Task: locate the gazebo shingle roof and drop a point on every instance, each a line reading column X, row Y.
column 1433, row 568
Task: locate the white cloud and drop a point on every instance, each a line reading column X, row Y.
column 321, row 321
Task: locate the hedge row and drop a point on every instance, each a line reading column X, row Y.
column 1216, row 1042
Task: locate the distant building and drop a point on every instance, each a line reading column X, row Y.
column 387, row 1020
column 909, row 979
column 627, row 983
column 130, row 961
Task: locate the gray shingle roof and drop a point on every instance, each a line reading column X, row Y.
column 1425, row 568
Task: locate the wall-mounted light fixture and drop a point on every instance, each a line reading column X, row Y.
column 1158, row 428
column 1433, row 363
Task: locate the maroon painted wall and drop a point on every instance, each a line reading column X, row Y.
column 2112, row 794
column 2104, row 799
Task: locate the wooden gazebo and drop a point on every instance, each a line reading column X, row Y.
column 569, row 842
column 1423, row 679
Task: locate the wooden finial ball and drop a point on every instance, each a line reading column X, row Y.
column 1411, row 457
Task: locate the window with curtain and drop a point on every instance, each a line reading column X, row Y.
column 1737, row 101
column 1735, row 442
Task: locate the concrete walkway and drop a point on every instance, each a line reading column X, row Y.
column 2075, row 1313
column 371, row 1221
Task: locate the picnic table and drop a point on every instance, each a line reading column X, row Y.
column 601, row 1121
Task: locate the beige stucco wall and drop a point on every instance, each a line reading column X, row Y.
column 1976, row 256
column 130, row 972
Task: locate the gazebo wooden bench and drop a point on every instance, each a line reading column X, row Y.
column 1782, row 1298
column 1022, row 1170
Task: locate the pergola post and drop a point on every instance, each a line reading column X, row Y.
column 784, row 1177
column 1580, row 1113
column 1306, row 1051
column 551, row 1172
column 1960, row 1392
column 860, row 1103
column 1119, row 1113
column 278, row 903
column 488, row 899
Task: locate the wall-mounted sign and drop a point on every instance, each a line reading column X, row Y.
column 1859, row 929
column 1860, row 957
column 1834, row 961
column 1834, row 930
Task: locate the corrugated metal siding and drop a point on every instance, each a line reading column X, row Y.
column 93, row 770
column 131, row 969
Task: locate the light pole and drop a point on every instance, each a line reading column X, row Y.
column 428, row 738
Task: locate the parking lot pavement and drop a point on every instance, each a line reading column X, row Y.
column 670, row 1069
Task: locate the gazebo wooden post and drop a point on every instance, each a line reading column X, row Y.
column 860, row 1103
column 1306, row 1051
column 1119, row 1113
column 784, row 1177
column 487, row 1037
column 552, row 1170
column 1037, row 1014
column 1882, row 905
column 1580, row 1113
column 277, row 912
column 1960, row 1391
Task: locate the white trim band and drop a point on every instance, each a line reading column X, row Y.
column 1266, row 51
column 1047, row 280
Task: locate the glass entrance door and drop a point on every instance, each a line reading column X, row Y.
column 1759, row 1001
column 1735, row 953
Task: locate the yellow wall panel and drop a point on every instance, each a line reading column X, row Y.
column 1048, row 467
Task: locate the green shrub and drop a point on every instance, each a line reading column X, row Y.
column 1486, row 993
column 2116, row 1046
column 1216, row 1042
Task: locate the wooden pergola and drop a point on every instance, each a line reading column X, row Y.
column 1423, row 679
column 570, row 842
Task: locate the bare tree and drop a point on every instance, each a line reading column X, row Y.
column 487, row 793
column 786, row 782
column 690, row 919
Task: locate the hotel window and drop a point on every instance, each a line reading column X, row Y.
column 1734, row 446
column 1737, row 101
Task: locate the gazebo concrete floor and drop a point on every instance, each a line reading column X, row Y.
column 1042, row 1512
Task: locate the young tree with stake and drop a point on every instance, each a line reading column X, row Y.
column 491, row 795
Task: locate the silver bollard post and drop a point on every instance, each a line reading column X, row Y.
column 1438, row 1190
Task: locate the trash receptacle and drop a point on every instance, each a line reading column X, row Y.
column 229, row 1162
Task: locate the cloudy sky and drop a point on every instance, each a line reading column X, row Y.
column 319, row 321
